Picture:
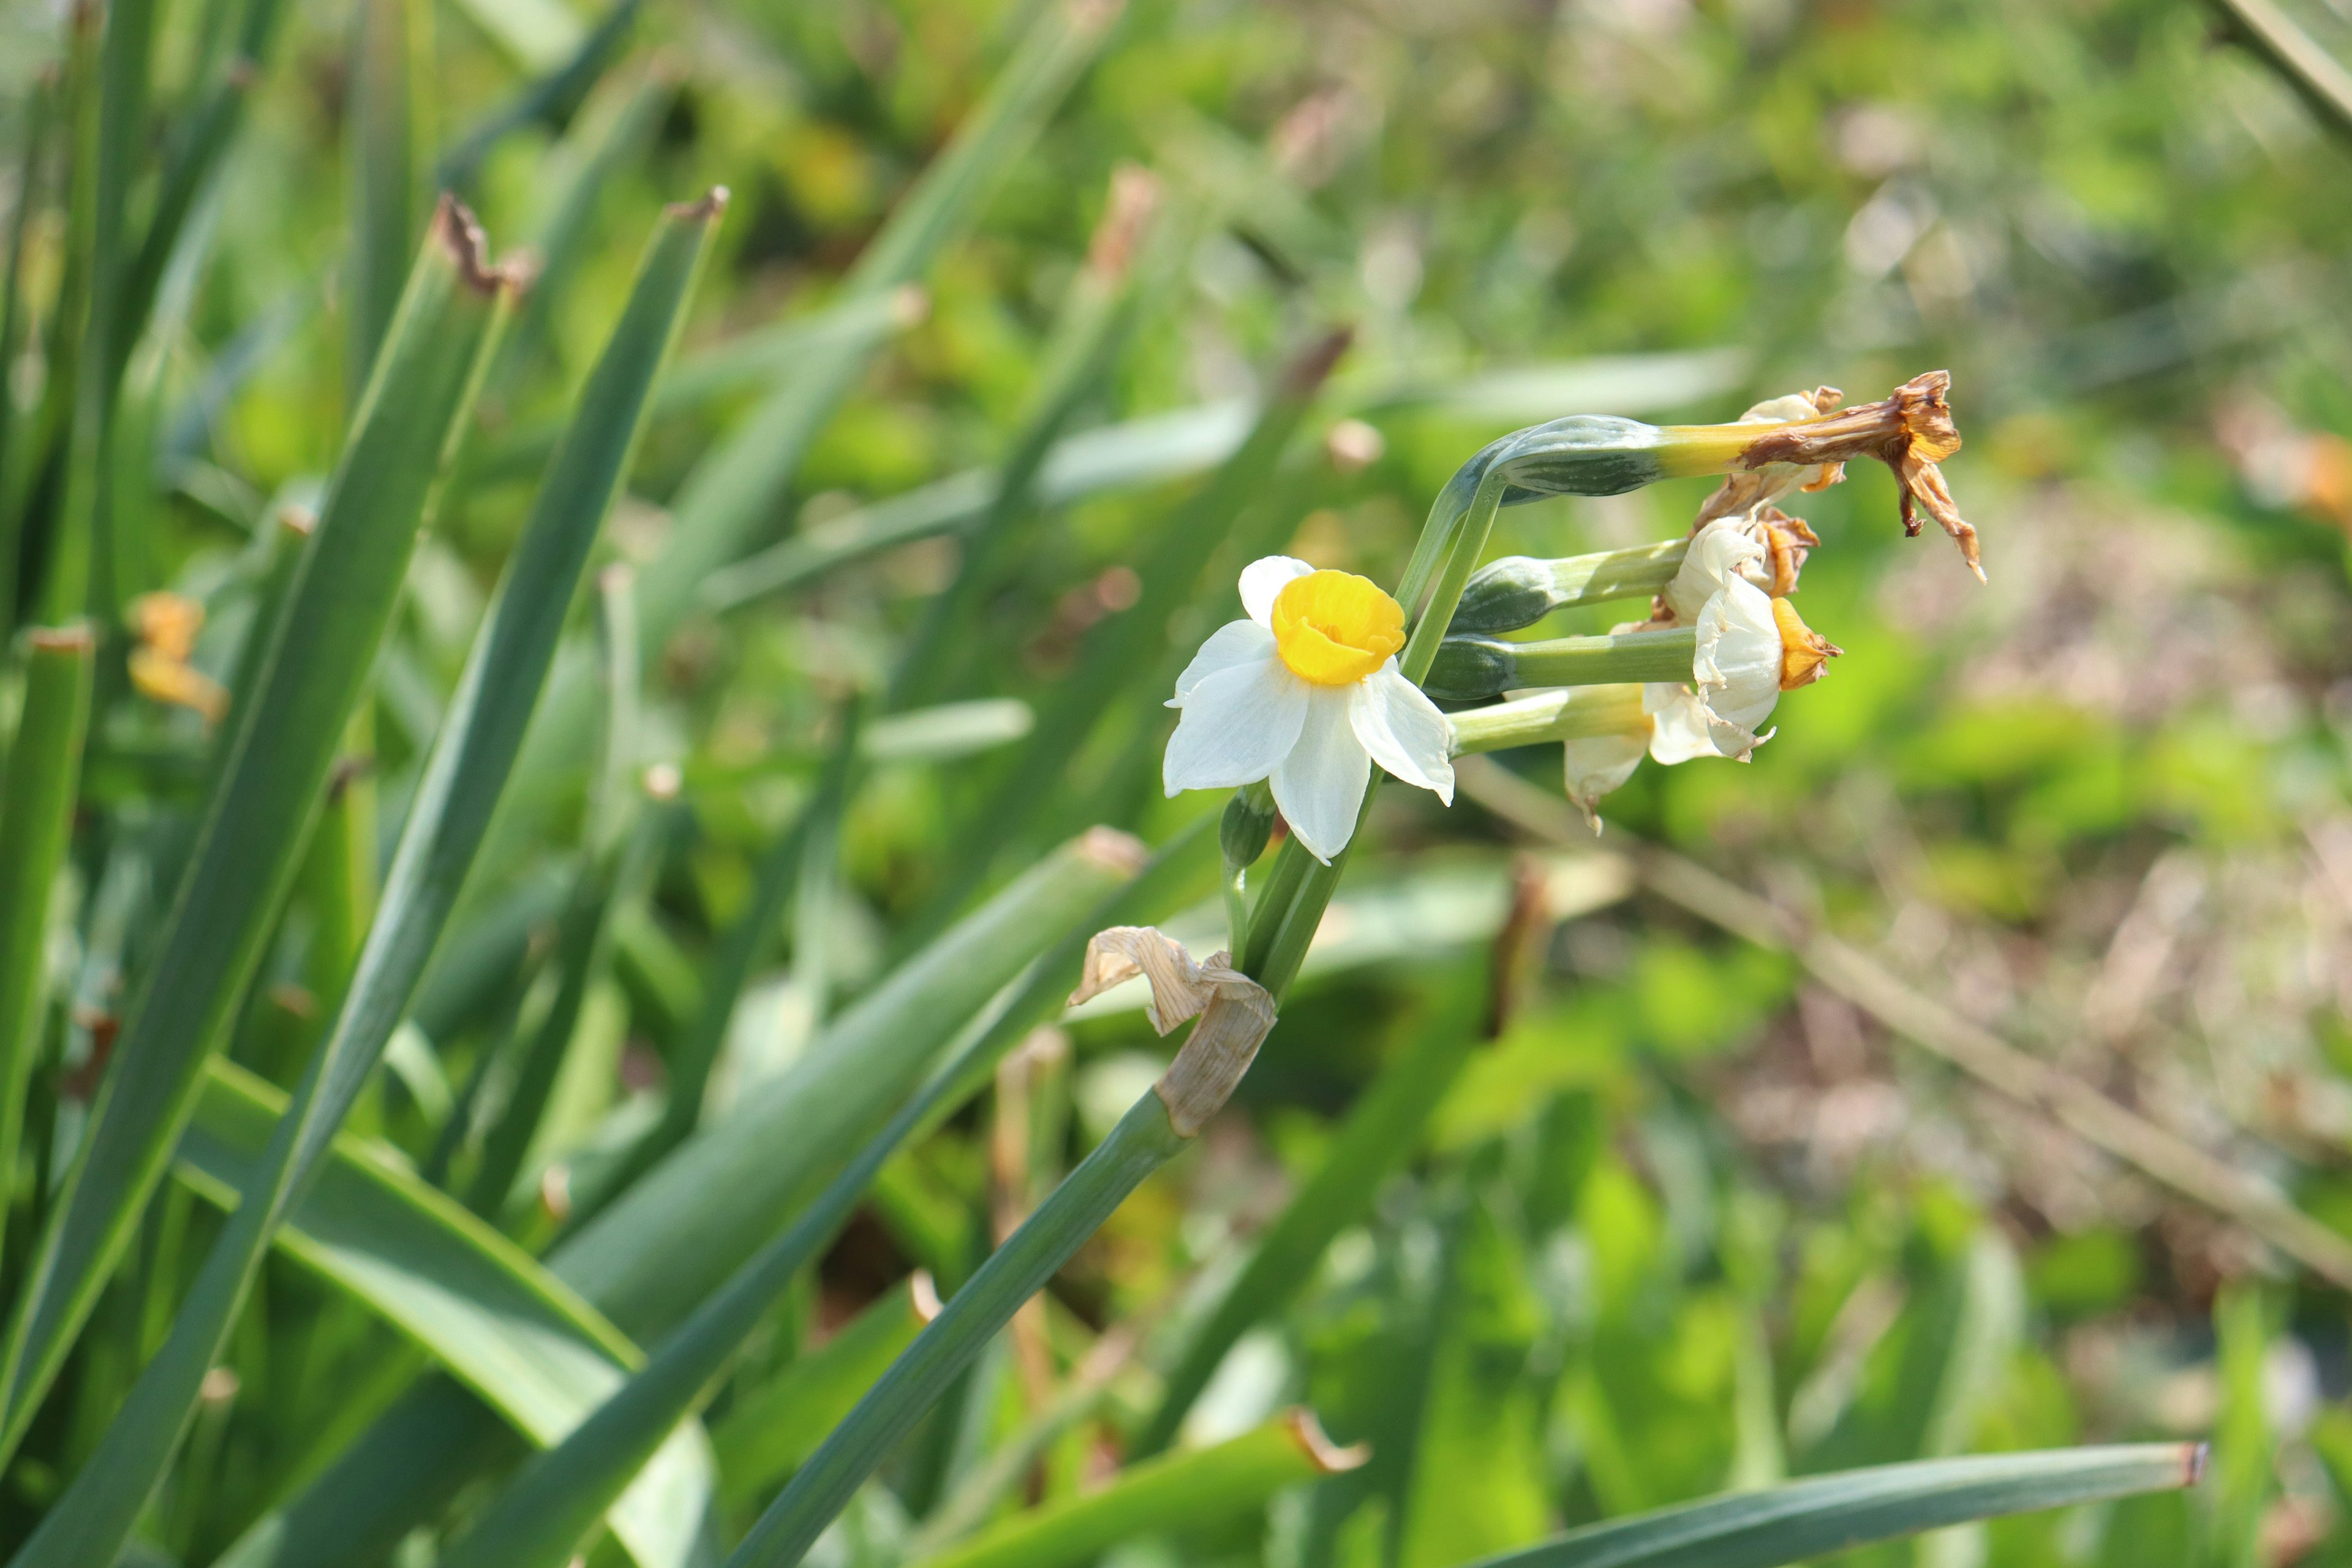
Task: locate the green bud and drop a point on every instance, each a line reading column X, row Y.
column 1520, row 590
column 1248, row 826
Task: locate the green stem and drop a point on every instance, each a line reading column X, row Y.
column 1143, row 1141
column 1574, row 713
column 1468, row 668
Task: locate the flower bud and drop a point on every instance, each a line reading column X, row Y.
column 1518, row 590
column 1246, row 827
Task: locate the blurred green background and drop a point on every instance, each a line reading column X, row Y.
column 1698, row 1215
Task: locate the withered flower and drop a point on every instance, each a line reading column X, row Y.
column 1910, row 432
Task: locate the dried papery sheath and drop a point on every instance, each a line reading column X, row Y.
column 1235, row 1014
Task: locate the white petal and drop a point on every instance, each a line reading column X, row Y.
column 1264, row 579
column 1234, row 643
column 1679, row 729
column 1717, row 554
column 1404, row 731
column 1321, row 785
column 1596, row 764
column 1238, row 724
column 1737, row 667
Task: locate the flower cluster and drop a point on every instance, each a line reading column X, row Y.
column 1306, row 694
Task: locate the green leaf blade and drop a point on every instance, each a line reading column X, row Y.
column 1831, row 1513
column 322, row 651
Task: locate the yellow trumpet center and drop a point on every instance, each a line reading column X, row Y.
column 1334, row 628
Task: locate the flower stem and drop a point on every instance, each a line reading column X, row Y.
column 1570, row 714
column 1471, row 667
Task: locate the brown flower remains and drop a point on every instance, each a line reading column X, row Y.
column 1910, row 432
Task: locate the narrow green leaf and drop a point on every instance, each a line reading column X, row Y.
column 86, row 575
column 696, row 1052
column 770, row 1430
column 735, row 490
column 1383, row 1131
column 673, row 1237
column 1187, row 441
column 580, row 169
column 389, row 62
column 36, row 826
column 1098, row 318
column 551, row 98
column 192, row 160
column 1196, row 1489
column 583, row 952
column 40, row 109
column 1143, row 1141
column 539, row 1521
column 445, row 824
column 321, row 649
column 1835, row 1513
column 1140, row 452
column 511, row 1331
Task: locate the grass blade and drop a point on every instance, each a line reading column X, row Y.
column 1098, row 319
column 692, row 1059
column 84, row 572
column 493, row 1315
column 1186, row 441
column 1140, row 452
column 1143, row 1141
column 539, row 1521
column 1383, row 1131
column 731, row 492
column 41, row 108
column 514, row 1334
column 1832, row 1513
column 36, row 826
column 768, row 1432
column 446, row 824
column 1203, row 1486
column 389, row 52
column 673, row 1236
column 677, row 1235
column 598, row 147
column 193, row 159
column 551, row 99
column 737, row 488
column 321, row 649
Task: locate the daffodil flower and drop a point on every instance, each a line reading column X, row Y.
column 1305, row 695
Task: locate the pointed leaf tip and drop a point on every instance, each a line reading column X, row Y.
column 460, row 234
column 1328, row 1458
column 709, row 207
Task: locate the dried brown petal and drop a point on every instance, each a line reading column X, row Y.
column 1910, row 432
